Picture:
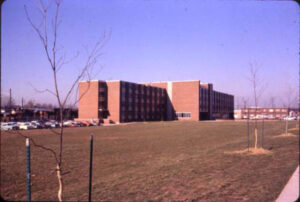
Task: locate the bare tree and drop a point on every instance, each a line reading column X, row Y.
column 30, row 104
column 56, row 61
column 245, row 105
column 7, row 102
column 257, row 90
column 290, row 99
column 272, row 101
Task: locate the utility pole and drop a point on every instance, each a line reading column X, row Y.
column 22, row 102
column 10, row 104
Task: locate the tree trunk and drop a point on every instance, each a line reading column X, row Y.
column 60, row 181
column 255, row 133
column 286, row 127
column 59, row 166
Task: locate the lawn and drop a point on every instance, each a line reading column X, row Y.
column 154, row 161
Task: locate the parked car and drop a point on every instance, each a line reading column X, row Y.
column 14, row 125
column 290, row 118
column 51, row 124
column 79, row 124
column 94, row 123
column 25, row 126
column 36, row 124
column 86, row 123
column 9, row 126
column 69, row 123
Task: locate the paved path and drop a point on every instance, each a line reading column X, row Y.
column 290, row 193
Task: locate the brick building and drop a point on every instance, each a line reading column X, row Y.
column 120, row 101
column 267, row 113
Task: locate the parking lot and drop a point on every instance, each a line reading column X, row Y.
column 36, row 124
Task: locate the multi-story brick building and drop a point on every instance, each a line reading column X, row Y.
column 267, row 113
column 120, row 101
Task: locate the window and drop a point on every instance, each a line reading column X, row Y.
column 271, row 110
column 183, row 114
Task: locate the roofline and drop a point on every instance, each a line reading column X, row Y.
column 90, row 81
column 173, row 81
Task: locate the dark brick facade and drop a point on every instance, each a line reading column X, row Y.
column 120, row 101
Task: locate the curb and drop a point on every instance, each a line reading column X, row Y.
column 291, row 189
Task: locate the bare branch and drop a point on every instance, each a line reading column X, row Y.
column 42, row 91
column 56, row 64
column 41, row 36
column 61, row 61
column 91, row 60
column 37, row 145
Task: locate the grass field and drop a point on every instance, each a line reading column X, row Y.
column 154, row 161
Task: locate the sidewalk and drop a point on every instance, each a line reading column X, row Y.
column 290, row 193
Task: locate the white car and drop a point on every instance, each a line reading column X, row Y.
column 52, row 124
column 36, row 124
column 290, row 118
column 25, row 126
column 9, row 126
column 69, row 123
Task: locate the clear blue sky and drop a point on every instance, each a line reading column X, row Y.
column 152, row 40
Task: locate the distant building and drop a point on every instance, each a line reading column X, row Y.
column 29, row 114
column 267, row 113
column 237, row 114
column 121, row 101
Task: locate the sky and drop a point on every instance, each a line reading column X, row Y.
column 152, row 40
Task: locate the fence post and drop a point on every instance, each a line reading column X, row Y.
column 248, row 133
column 91, row 167
column 28, row 169
column 262, row 136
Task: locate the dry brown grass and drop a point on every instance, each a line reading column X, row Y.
column 294, row 129
column 251, row 151
column 161, row 161
column 285, row 135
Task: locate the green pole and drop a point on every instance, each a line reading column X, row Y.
column 91, row 167
column 262, row 137
column 28, row 169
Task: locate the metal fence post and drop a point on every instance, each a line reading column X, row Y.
column 28, row 169
column 91, row 167
column 262, row 135
column 248, row 133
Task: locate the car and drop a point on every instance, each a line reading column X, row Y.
column 290, row 118
column 36, row 124
column 25, row 126
column 51, row 124
column 79, row 124
column 4, row 126
column 14, row 125
column 94, row 123
column 69, row 123
column 9, row 126
column 86, row 123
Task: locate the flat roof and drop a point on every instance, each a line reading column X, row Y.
column 174, row 81
column 90, row 81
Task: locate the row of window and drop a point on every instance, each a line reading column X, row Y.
column 142, row 109
column 183, row 114
column 141, row 117
column 266, row 110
